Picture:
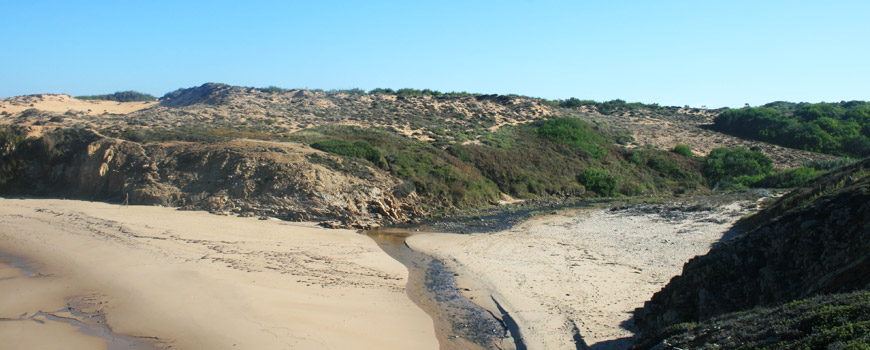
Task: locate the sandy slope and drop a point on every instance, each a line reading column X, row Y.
column 197, row 281
column 66, row 103
column 587, row 269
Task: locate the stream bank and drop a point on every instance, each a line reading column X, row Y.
column 460, row 324
column 571, row 277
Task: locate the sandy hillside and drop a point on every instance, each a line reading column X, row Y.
column 191, row 280
column 66, row 103
column 580, row 271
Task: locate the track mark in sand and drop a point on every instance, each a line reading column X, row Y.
column 87, row 313
column 248, row 256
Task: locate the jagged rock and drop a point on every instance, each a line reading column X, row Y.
column 811, row 242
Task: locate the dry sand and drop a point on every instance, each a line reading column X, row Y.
column 583, row 271
column 192, row 280
column 66, row 103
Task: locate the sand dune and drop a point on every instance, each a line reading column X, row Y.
column 191, row 280
column 66, row 103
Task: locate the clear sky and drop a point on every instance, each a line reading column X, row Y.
column 714, row 53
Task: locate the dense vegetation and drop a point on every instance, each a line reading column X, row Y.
column 838, row 321
column 416, row 92
column 469, row 174
column 571, row 158
column 598, row 181
column 121, row 96
column 431, row 171
column 466, row 164
column 359, row 149
column 736, row 168
column 835, row 128
column 574, row 133
column 404, row 92
column 614, row 106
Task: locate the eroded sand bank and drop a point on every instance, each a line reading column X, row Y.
column 192, row 280
column 582, row 272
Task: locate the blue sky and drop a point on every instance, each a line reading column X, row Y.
column 714, row 53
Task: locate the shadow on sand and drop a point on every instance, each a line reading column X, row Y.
column 618, row 343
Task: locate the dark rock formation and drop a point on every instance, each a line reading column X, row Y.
column 813, row 241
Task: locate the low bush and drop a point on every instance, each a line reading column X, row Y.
column 732, row 168
column 598, row 181
column 433, row 172
column 794, row 177
column 186, row 133
column 575, row 133
column 829, row 164
column 121, row 96
column 835, row 321
column 358, row 149
column 272, row 89
column 683, row 150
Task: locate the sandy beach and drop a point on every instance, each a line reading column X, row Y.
column 582, row 272
column 161, row 278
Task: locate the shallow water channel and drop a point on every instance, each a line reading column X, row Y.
column 459, row 323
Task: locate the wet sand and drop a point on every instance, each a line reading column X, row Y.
column 577, row 276
column 460, row 324
column 192, row 280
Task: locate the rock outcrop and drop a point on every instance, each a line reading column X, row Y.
column 246, row 177
column 813, row 241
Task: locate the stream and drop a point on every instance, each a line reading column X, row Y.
column 459, row 323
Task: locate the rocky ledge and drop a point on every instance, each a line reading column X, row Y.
column 243, row 177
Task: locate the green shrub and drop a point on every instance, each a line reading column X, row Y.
column 382, row 91
column 272, row 89
column 573, row 132
column 598, row 181
column 186, row 133
column 434, row 173
column 671, row 169
column 736, row 167
column 354, row 91
column 836, row 128
column 501, row 138
column 611, row 106
column 794, row 177
column 683, row 150
column 829, row 164
column 358, row 149
column 574, row 102
column 830, row 321
column 121, row 96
